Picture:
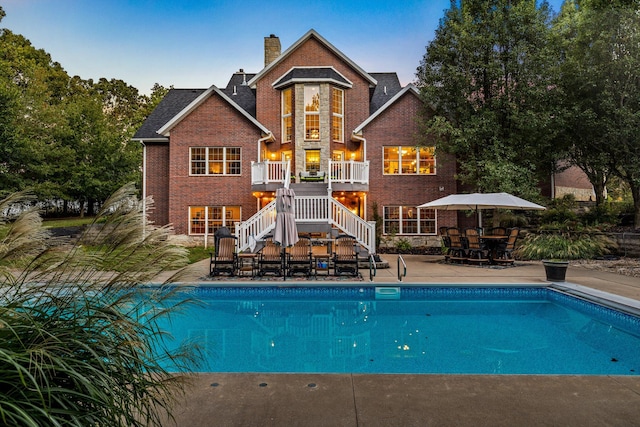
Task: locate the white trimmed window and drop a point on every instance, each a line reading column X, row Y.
column 312, row 112
column 408, row 160
column 211, row 218
column 408, row 220
column 216, row 160
column 337, row 115
column 287, row 117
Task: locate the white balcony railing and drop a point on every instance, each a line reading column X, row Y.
column 268, row 171
column 349, row 171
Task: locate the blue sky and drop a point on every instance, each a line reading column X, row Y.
column 197, row 43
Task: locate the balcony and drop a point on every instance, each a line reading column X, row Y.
column 341, row 175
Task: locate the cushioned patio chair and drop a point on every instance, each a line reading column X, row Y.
column 225, row 257
column 270, row 259
column 299, row 259
column 345, row 255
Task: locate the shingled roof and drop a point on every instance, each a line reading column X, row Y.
column 240, row 93
column 172, row 103
column 388, row 86
column 312, row 75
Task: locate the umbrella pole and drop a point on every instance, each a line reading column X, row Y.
column 283, row 262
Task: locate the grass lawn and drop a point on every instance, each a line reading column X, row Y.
column 196, row 253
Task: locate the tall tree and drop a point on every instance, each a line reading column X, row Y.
column 488, row 77
column 601, row 83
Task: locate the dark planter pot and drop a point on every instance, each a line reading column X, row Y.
column 556, row 270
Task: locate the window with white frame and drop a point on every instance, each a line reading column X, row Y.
column 408, row 220
column 312, row 112
column 211, row 218
column 408, row 160
column 337, row 114
column 287, row 115
column 216, row 160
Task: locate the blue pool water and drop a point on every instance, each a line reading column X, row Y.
column 429, row 330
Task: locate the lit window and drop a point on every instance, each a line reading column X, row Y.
column 287, row 119
column 408, row 160
column 408, row 220
column 212, row 218
column 312, row 160
column 337, row 118
column 312, row 112
column 216, row 161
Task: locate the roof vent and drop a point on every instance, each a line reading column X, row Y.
column 385, row 90
column 235, row 92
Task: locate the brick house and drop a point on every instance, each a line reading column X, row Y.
column 345, row 137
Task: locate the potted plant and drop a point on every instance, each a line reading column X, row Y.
column 556, row 246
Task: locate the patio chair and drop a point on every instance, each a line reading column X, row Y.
column 458, row 251
column 497, row 231
column 299, row 259
column 504, row 253
column 270, row 258
column 476, row 250
column 225, row 258
column 446, row 242
column 345, row 255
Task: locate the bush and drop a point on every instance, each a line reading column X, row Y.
column 562, row 245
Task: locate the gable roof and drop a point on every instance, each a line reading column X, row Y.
column 172, row 103
column 166, row 128
column 312, row 34
column 312, row 74
column 410, row 88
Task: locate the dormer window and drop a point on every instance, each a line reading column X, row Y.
column 312, row 112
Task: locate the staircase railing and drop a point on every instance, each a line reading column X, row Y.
column 347, row 221
column 321, row 209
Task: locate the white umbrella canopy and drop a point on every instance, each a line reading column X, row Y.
column 463, row 202
column 478, row 201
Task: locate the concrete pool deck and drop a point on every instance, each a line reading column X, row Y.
column 214, row 399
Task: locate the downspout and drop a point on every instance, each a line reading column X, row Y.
column 364, row 144
column 269, row 136
column 144, row 189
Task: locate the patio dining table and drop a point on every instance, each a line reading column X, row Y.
column 492, row 243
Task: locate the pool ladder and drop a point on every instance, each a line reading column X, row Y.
column 402, row 273
column 373, row 269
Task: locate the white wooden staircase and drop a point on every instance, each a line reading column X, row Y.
column 315, row 211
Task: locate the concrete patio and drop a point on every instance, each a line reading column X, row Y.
column 252, row 399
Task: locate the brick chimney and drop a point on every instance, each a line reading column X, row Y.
column 271, row 49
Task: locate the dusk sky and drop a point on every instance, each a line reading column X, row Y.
column 194, row 44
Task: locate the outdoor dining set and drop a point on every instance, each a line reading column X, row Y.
column 474, row 246
column 307, row 257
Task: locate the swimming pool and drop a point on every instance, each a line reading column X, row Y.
column 450, row 330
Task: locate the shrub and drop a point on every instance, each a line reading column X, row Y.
column 562, row 245
column 80, row 346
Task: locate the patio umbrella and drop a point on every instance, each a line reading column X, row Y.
column 478, row 201
column 286, row 231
